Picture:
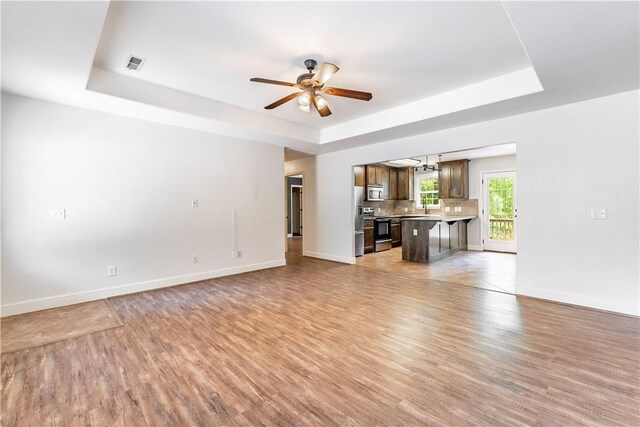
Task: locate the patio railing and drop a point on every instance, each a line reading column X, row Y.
column 501, row 229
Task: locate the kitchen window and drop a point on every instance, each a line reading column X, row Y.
column 428, row 193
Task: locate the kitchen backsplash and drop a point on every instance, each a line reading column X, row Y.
column 399, row 207
column 467, row 207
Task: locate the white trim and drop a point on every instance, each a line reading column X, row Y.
column 329, row 257
column 98, row 294
column 286, row 208
column 625, row 307
column 475, row 248
column 484, row 222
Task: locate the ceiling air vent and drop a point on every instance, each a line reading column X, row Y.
column 134, row 63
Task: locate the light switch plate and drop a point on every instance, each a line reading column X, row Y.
column 415, row 232
column 111, row 270
column 447, row 208
column 598, row 213
column 194, row 203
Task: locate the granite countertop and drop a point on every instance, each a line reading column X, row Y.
column 425, row 217
column 439, row 218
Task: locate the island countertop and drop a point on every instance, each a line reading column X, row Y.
column 434, row 237
column 439, row 218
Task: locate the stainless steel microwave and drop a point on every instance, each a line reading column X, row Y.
column 374, row 192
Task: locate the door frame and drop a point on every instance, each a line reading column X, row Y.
column 301, row 207
column 484, row 223
column 286, row 209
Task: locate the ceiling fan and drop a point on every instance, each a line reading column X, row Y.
column 312, row 85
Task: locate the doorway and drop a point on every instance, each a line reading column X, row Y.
column 499, row 211
column 296, row 210
column 294, row 213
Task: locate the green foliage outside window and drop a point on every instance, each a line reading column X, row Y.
column 501, row 198
column 429, row 192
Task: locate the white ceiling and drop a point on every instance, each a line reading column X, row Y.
column 497, row 150
column 430, row 65
column 401, row 52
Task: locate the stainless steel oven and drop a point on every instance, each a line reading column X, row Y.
column 382, row 234
column 374, row 193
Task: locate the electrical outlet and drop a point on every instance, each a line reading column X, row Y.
column 415, row 232
column 447, row 209
column 458, row 209
column 194, row 203
column 598, row 213
column 236, row 254
column 195, row 259
column 406, row 209
column 59, row 214
column 111, row 270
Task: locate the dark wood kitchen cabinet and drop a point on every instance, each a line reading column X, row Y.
column 383, row 178
column 358, row 176
column 453, row 179
column 378, row 175
column 369, row 244
column 393, row 184
column 370, row 172
column 405, row 184
column 396, row 232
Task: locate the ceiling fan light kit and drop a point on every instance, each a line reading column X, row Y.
column 312, row 88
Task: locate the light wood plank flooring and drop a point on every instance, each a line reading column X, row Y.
column 295, row 244
column 319, row 343
column 494, row 271
column 43, row 327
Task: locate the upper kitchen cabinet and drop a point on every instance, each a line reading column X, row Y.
column 453, row 179
column 358, row 176
column 393, row 183
column 405, row 183
column 377, row 175
column 382, row 173
column 397, row 183
column 370, row 172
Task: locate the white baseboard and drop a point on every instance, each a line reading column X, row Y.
column 623, row 307
column 329, row 257
column 475, row 248
column 78, row 297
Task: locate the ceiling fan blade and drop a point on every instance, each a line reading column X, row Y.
column 281, row 101
column 273, row 82
column 324, row 111
column 325, row 72
column 347, row 93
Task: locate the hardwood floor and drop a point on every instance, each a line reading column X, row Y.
column 48, row 326
column 295, row 244
column 494, row 271
column 321, row 343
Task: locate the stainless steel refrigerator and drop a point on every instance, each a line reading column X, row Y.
column 359, row 219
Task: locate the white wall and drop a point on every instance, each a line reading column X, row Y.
column 127, row 187
column 476, row 168
column 566, row 157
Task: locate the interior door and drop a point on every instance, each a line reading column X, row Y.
column 499, row 211
column 296, row 211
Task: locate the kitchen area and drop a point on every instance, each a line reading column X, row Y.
column 394, row 209
column 449, row 217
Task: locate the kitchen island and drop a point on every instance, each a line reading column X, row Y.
column 430, row 238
